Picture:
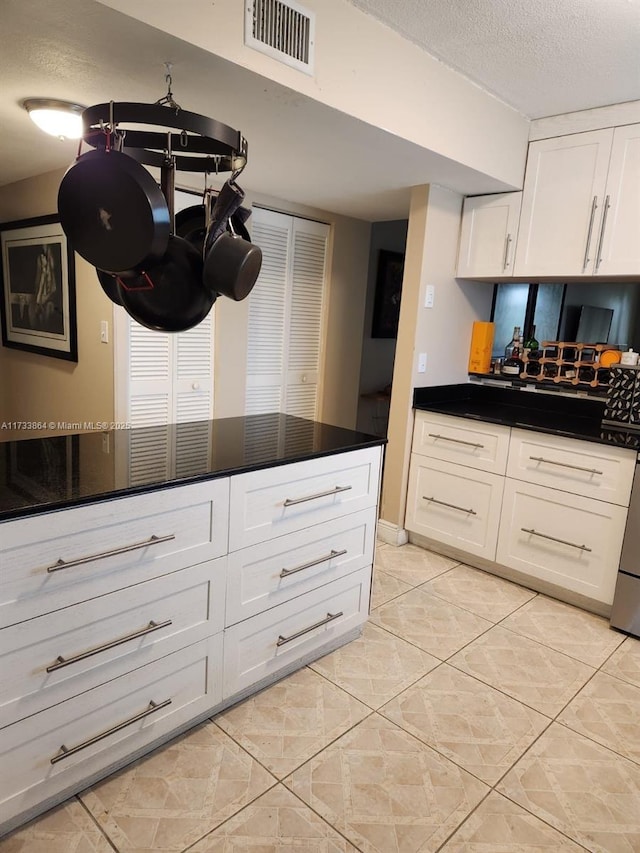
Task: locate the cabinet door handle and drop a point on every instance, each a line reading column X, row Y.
column 594, row 205
column 455, row 440
column 61, row 662
column 67, row 564
column 565, row 465
column 292, row 501
column 286, row 572
column 328, row 618
column 507, row 246
column 602, row 227
column 451, row 506
column 555, row 539
column 66, row 751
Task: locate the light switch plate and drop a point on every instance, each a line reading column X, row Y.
column 429, row 296
column 422, row 362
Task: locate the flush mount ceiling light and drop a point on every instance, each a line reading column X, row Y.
column 58, row 118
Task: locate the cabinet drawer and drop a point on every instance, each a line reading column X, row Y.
column 104, row 725
column 108, row 546
column 455, row 505
column 105, row 637
column 473, row 443
column 579, row 467
column 567, row 540
column 271, row 573
column 269, row 503
column 263, row 645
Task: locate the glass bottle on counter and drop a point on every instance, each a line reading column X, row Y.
column 531, row 345
column 512, row 365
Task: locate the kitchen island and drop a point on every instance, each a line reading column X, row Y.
column 144, row 591
column 532, row 486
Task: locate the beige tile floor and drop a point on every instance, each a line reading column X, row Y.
column 472, row 716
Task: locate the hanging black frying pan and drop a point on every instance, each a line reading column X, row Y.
column 113, row 212
column 169, row 296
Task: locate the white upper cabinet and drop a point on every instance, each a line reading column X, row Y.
column 488, row 235
column 619, row 240
column 581, row 205
column 563, row 196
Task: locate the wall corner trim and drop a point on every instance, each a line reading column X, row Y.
column 391, row 534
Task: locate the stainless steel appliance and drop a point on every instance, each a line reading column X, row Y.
column 625, row 613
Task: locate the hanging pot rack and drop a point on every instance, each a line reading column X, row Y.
column 201, row 144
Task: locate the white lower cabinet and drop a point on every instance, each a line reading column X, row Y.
column 558, row 516
column 54, row 750
column 456, row 505
column 258, row 648
column 567, row 540
column 124, row 621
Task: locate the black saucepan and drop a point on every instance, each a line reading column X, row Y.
column 190, row 224
column 113, row 212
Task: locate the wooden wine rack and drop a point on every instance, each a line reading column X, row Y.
column 567, row 363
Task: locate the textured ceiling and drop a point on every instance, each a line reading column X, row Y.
column 543, row 57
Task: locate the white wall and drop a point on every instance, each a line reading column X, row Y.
column 443, row 332
column 368, row 71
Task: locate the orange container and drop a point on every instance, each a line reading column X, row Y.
column 481, row 346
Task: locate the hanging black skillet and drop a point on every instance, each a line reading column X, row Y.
column 169, row 296
column 113, row 212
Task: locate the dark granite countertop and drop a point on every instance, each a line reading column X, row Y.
column 58, row 471
column 574, row 417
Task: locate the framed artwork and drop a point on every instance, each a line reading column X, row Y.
column 38, row 288
column 386, row 306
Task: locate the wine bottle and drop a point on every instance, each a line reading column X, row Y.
column 512, row 365
column 531, row 345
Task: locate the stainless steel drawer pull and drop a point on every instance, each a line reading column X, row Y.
column 66, row 751
column 586, row 259
column 67, row 564
column 151, row 627
column 555, row 539
column 451, row 506
column 328, row 618
column 565, row 465
column 292, row 501
column 607, row 205
column 285, row 572
column 455, row 440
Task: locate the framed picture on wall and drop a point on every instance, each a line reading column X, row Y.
column 37, row 274
column 386, row 306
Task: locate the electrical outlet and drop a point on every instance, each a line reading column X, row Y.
column 422, row 362
column 429, row 296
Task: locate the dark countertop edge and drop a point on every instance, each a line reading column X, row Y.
column 573, row 417
column 130, row 491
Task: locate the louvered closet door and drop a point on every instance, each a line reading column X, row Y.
column 305, row 323
column 170, row 381
column 150, row 403
column 285, row 315
column 267, row 313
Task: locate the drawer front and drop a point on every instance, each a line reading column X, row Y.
column 455, row 505
column 273, row 572
column 188, row 680
column 275, row 501
column 579, row 467
column 265, row 644
column 576, row 544
column 467, row 442
column 54, row 657
column 190, row 524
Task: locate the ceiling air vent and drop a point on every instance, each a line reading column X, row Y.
column 284, row 31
